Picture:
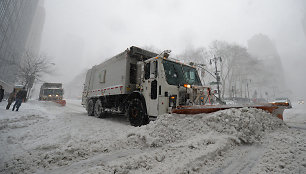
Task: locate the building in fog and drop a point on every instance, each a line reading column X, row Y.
column 21, row 23
column 262, row 47
column 34, row 37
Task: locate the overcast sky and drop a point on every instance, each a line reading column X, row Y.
column 81, row 33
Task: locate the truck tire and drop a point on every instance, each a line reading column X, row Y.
column 90, row 107
column 99, row 110
column 136, row 113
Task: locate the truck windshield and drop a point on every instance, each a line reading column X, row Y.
column 53, row 92
column 178, row 74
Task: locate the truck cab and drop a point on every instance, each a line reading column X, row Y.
column 51, row 92
column 168, row 84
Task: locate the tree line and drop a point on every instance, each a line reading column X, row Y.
column 241, row 74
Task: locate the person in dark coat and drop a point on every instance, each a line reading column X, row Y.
column 1, row 93
column 11, row 99
column 20, row 97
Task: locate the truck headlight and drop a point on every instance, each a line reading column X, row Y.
column 172, row 101
column 56, row 95
column 187, row 86
column 49, row 95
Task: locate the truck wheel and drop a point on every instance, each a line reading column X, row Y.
column 99, row 110
column 136, row 113
column 90, row 107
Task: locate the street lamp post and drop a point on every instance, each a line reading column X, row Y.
column 215, row 60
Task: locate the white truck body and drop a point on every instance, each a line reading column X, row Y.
column 138, row 82
column 104, row 79
column 111, row 77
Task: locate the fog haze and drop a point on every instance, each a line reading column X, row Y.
column 81, row 33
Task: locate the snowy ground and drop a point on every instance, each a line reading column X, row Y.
column 46, row 138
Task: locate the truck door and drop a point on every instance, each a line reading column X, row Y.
column 151, row 87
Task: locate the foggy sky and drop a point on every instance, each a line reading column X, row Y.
column 100, row 29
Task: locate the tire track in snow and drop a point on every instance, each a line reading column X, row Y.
column 243, row 160
column 96, row 160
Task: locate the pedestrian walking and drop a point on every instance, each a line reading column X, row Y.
column 1, row 93
column 11, row 99
column 20, row 97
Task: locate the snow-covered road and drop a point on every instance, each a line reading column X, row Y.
column 46, row 138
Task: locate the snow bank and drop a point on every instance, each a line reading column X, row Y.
column 246, row 125
column 185, row 143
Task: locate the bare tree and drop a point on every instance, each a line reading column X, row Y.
column 237, row 66
column 32, row 67
column 223, row 49
column 241, row 74
column 197, row 57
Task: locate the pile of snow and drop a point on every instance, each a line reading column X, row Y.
column 246, row 125
column 185, row 143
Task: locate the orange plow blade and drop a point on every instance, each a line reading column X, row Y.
column 273, row 109
column 61, row 102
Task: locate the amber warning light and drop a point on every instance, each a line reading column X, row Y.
column 187, row 86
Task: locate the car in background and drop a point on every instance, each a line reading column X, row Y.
column 301, row 102
column 282, row 102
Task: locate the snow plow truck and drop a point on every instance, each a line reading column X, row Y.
column 143, row 85
column 52, row 92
